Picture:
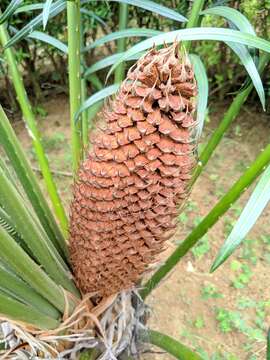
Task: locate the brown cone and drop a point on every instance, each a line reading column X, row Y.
column 128, row 191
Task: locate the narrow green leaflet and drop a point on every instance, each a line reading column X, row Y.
column 15, row 310
column 100, row 95
column 122, row 34
column 55, row 9
column 29, row 181
column 238, row 19
column 46, row 12
column 251, row 68
column 38, row 6
column 202, row 83
column 34, row 235
column 155, row 8
column 232, row 112
column 170, row 345
column 38, row 35
column 19, row 290
column 253, row 209
column 242, row 23
column 19, row 262
column 13, row 5
column 28, row 8
column 108, row 61
column 200, row 33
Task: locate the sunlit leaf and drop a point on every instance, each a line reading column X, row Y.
column 238, row 19
column 120, row 35
column 46, row 12
column 253, row 209
column 251, row 68
column 243, row 24
column 38, row 35
column 200, row 33
column 13, row 5
column 100, row 95
column 202, row 83
column 28, row 8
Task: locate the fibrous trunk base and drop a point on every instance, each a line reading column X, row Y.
column 110, row 328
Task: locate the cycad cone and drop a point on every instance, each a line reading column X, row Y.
column 129, row 189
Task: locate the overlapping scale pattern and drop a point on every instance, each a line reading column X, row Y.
column 137, row 173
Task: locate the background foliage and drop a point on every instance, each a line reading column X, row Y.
column 44, row 67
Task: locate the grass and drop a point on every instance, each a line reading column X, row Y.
column 201, row 248
column 210, row 292
column 55, row 142
column 199, row 322
column 243, row 274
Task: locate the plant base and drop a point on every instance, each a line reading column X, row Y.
column 111, row 328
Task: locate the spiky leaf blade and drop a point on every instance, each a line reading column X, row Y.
column 28, row 8
column 46, row 12
column 243, row 24
column 200, row 33
column 21, row 291
column 38, row 35
column 13, row 5
column 253, row 209
column 18, row 311
column 33, row 234
column 29, row 271
column 134, row 32
column 238, row 19
column 28, row 180
column 202, row 82
column 242, row 52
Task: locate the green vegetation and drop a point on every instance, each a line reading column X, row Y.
column 56, row 43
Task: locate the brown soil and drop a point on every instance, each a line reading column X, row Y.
column 184, row 306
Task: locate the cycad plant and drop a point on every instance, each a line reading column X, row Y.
column 80, row 293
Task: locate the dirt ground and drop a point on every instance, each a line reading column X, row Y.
column 224, row 315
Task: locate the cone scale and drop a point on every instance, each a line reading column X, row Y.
column 137, row 174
